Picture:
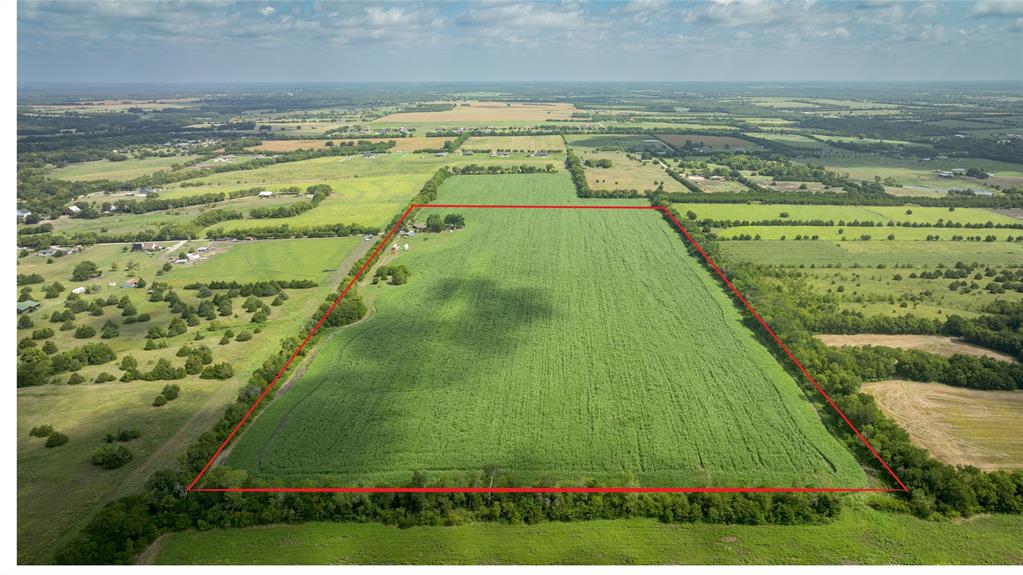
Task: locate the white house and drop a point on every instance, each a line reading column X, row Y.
column 266, row 194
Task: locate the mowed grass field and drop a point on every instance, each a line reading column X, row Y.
column 878, row 214
column 959, row 426
column 117, row 171
column 557, row 345
column 859, row 536
column 528, row 143
column 792, row 253
column 266, row 260
column 876, row 233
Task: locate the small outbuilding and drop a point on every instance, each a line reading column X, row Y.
column 27, row 306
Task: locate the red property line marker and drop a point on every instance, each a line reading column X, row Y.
column 192, row 487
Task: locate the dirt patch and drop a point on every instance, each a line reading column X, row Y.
column 939, row 344
column 958, row 426
column 1012, row 212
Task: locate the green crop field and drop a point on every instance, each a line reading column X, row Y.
column 117, row 171
column 557, row 345
column 860, row 536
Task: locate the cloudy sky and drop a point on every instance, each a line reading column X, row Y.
column 269, row 41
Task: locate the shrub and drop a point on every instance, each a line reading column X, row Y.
column 122, row 435
column 111, row 456
column 159, row 401
column 218, row 371
column 85, row 332
column 75, row 379
column 104, row 377
column 56, row 439
column 41, row 431
column 171, row 391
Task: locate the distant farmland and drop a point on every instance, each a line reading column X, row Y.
column 557, row 346
column 712, row 142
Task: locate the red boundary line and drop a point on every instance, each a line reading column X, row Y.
column 710, row 262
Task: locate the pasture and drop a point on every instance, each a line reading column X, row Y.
column 876, row 214
column 792, row 253
column 118, row 171
column 959, row 426
column 265, row 260
column 61, row 488
column 860, row 536
column 627, row 173
column 517, row 143
column 918, row 177
column 514, row 344
column 876, row 233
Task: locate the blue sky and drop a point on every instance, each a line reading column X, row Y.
column 280, row 41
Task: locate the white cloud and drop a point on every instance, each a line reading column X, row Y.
column 267, row 10
column 995, row 8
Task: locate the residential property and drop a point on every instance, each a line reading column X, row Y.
column 27, row 306
column 145, row 247
column 266, row 194
column 23, row 213
column 72, row 211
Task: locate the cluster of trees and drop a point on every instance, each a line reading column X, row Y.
column 436, row 223
column 259, row 289
column 287, row 231
column 36, row 367
column 394, row 275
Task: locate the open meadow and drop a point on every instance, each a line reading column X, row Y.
column 861, row 536
column 118, row 171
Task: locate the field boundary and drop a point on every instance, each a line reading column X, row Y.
column 664, row 211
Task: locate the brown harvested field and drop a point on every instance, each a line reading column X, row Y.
column 713, row 142
column 474, row 111
column 400, row 144
column 958, row 426
column 939, row 344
